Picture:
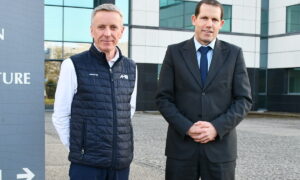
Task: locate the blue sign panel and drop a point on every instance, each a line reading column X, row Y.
column 22, row 142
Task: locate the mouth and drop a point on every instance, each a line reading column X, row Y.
column 106, row 41
column 207, row 31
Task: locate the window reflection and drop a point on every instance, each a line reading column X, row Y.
column 53, row 50
column 124, row 8
column 227, row 17
column 293, row 20
column 168, row 2
column 74, row 48
column 123, row 43
column 54, row 2
column 294, row 80
column 171, row 16
column 52, row 69
column 82, row 3
column 177, row 14
column 77, row 24
column 53, row 23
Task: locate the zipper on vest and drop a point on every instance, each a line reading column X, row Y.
column 114, row 119
column 83, row 139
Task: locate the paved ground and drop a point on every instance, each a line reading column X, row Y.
column 269, row 149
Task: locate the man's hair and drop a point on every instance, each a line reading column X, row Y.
column 106, row 7
column 209, row 2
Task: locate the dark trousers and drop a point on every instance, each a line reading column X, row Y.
column 199, row 167
column 82, row 172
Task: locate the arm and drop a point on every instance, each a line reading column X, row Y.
column 66, row 88
column 165, row 97
column 242, row 100
column 133, row 96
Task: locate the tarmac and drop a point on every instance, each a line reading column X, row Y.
column 268, row 148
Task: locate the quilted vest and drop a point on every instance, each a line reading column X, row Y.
column 100, row 126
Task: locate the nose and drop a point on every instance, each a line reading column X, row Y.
column 209, row 22
column 107, row 32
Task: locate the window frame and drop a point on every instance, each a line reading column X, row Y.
column 184, row 14
column 286, row 20
column 289, row 83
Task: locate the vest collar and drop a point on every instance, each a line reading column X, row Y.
column 101, row 55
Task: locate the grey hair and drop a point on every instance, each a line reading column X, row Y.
column 106, row 7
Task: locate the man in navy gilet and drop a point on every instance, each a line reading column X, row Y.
column 95, row 101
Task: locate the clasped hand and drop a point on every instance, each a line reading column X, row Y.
column 202, row 132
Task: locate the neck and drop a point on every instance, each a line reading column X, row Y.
column 110, row 55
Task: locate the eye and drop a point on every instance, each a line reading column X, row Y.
column 203, row 18
column 101, row 27
column 113, row 27
column 215, row 20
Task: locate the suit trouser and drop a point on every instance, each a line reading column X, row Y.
column 83, row 172
column 199, row 166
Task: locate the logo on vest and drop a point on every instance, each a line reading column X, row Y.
column 92, row 74
column 124, row 76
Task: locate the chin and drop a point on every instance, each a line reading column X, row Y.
column 106, row 49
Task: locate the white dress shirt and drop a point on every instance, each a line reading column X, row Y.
column 65, row 91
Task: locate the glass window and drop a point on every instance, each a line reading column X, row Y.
column 123, row 42
column 189, row 10
column 82, row 3
column 52, row 69
column 53, row 23
column 171, row 16
column 54, row 2
column 177, row 14
column 53, row 50
column 293, row 20
column 74, row 48
column 124, row 7
column 168, row 2
column 262, row 81
column 77, row 24
column 227, row 18
column 294, row 80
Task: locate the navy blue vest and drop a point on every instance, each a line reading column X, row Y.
column 100, row 125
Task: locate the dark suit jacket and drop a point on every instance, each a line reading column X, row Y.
column 224, row 100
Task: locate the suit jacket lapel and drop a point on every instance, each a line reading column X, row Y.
column 219, row 57
column 190, row 58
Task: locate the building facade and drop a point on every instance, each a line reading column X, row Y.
column 267, row 30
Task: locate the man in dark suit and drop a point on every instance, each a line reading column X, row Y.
column 203, row 93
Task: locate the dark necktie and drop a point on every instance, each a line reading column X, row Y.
column 203, row 62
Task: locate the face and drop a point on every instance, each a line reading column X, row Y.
column 106, row 30
column 207, row 24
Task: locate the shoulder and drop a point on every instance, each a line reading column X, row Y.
column 67, row 64
column 228, row 45
column 179, row 45
column 79, row 57
column 129, row 61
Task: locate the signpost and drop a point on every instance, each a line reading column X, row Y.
column 22, row 140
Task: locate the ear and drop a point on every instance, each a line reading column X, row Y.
column 91, row 30
column 122, row 30
column 194, row 18
column 222, row 23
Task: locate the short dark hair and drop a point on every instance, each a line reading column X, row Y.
column 210, row 2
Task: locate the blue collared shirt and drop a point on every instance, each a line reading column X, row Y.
column 209, row 53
